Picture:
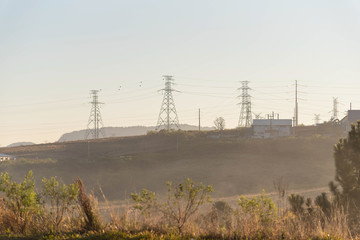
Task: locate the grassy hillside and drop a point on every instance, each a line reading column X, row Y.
column 232, row 165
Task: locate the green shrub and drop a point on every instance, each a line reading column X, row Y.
column 324, row 204
column 61, row 197
column 223, row 213
column 145, row 202
column 21, row 201
column 297, row 204
column 183, row 201
column 262, row 207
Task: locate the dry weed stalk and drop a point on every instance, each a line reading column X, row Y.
column 88, row 207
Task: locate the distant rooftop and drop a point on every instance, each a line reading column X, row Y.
column 5, row 155
column 274, row 122
column 353, row 116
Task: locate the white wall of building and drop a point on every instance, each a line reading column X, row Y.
column 268, row 128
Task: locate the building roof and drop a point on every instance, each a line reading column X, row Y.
column 353, row 116
column 273, row 122
column 5, row 155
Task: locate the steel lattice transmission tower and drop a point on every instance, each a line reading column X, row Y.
column 335, row 110
column 168, row 118
column 316, row 119
column 95, row 125
column 245, row 119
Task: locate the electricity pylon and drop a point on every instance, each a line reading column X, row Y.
column 316, row 119
column 296, row 111
column 168, row 118
column 257, row 116
column 95, row 125
column 335, row 110
column 245, row 118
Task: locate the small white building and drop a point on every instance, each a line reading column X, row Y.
column 5, row 157
column 270, row 128
column 352, row 117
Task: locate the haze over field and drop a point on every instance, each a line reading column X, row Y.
column 233, row 166
column 179, row 119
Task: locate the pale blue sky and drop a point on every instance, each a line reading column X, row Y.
column 53, row 52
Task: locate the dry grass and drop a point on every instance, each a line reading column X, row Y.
column 214, row 221
column 210, row 223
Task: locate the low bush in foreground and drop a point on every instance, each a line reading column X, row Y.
column 60, row 211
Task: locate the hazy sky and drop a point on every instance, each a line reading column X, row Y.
column 52, row 53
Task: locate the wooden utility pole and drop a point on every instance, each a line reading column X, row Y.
column 296, row 104
column 199, row 120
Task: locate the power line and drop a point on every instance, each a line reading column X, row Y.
column 206, row 95
column 95, row 118
column 168, row 117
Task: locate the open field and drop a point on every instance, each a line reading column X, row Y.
column 233, row 166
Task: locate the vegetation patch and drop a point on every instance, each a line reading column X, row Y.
column 186, row 211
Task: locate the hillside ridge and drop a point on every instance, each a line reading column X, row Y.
column 123, row 132
column 233, row 166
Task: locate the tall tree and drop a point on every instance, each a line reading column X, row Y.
column 347, row 163
column 219, row 123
